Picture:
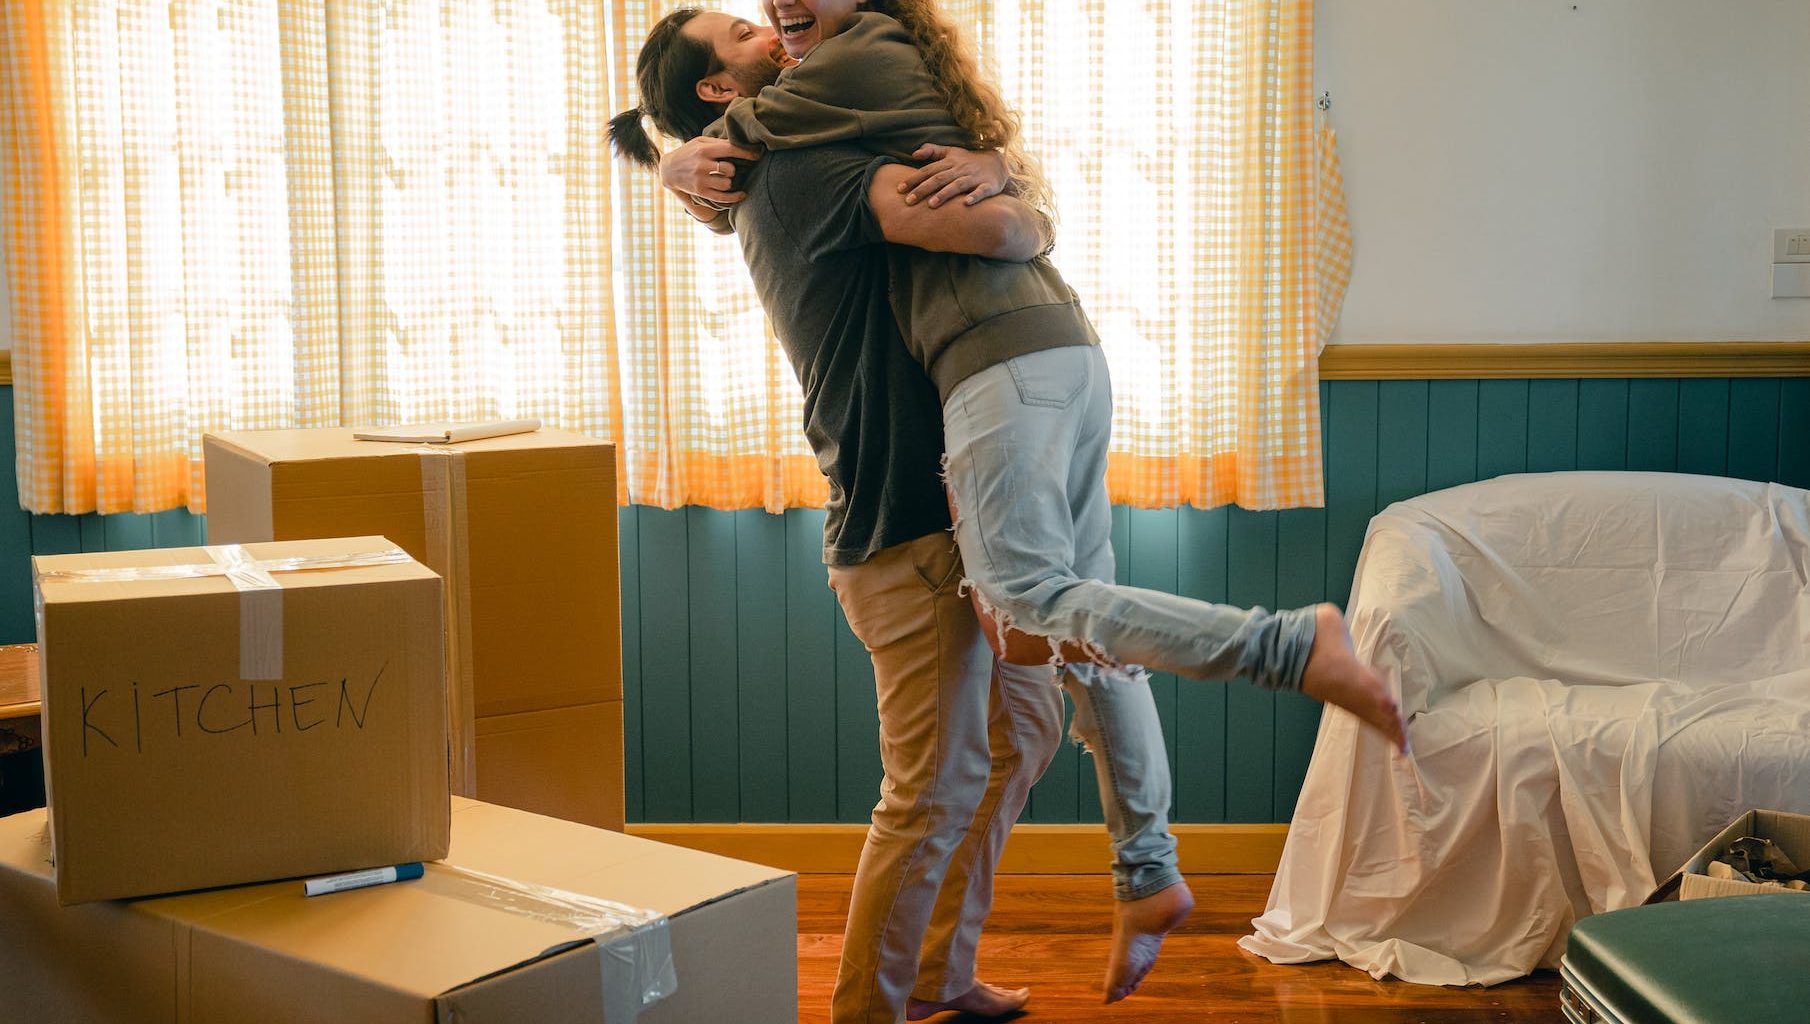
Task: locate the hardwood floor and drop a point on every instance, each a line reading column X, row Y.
column 1050, row 932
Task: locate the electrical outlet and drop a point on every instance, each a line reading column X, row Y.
column 1791, row 245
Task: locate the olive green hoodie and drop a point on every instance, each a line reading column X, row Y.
column 959, row 314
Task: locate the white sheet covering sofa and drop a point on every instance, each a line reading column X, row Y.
column 1600, row 671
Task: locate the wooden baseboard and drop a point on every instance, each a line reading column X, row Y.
column 1567, row 359
column 1031, row 850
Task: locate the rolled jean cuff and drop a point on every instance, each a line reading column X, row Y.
column 1282, row 651
column 1156, row 881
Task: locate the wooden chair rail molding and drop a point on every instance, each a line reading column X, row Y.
column 1567, row 359
column 1031, row 850
column 1527, row 361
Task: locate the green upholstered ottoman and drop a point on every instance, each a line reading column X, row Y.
column 1742, row 959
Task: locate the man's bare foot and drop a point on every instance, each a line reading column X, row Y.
column 983, row 1000
column 1334, row 675
column 1138, row 928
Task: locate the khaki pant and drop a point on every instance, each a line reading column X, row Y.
column 961, row 746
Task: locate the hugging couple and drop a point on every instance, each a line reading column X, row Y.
column 897, row 234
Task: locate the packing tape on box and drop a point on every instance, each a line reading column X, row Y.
column 260, row 612
column 260, row 595
column 443, row 513
column 634, row 944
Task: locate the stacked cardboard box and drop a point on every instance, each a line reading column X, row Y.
column 523, row 528
column 216, row 716
column 528, row 919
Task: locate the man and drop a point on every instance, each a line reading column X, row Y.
column 960, row 744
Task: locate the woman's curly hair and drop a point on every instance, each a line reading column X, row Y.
column 978, row 107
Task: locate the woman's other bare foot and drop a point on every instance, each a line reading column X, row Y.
column 1138, row 929
column 983, row 1000
column 1334, row 675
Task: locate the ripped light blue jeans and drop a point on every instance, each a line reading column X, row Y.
column 1027, row 441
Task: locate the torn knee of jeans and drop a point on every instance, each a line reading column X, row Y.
column 1000, row 619
column 1092, row 653
column 1004, row 622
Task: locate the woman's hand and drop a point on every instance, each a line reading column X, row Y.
column 951, row 172
column 701, row 168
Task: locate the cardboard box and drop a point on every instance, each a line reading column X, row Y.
column 1690, row 882
column 523, row 527
column 204, row 730
column 484, row 937
column 548, row 761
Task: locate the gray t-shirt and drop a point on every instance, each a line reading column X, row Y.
column 870, row 412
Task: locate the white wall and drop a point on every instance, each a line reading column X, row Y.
column 1518, row 170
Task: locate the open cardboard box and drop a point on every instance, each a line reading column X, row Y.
column 1690, row 882
column 514, row 926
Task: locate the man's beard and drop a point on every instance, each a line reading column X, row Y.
column 755, row 75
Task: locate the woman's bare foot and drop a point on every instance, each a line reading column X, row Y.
column 1335, row 676
column 983, row 1000
column 1138, row 929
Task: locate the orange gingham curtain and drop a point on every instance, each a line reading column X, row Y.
column 246, row 214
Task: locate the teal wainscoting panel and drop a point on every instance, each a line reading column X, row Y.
column 177, row 529
column 1202, row 543
column 628, row 539
column 1653, row 425
column 57, row 535
column 666, row 677
column 715, row 679
column 810, row 672
column 1753, row 429
column 748, row 698
column 1352, row 450
column 1551, row 425
column 1501, row 428
column 1451, row 433
column 1602, row 425
column 1794, row 433
column 760, row 654
column 1703, row 427
column 1401, row 440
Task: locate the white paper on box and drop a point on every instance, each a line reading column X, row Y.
column 447, row 433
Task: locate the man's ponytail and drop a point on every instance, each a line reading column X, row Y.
column 668, row 70
column 629, row 138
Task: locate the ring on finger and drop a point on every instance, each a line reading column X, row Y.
column 718, row 172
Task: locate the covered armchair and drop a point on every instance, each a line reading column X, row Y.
column 1600, row 670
